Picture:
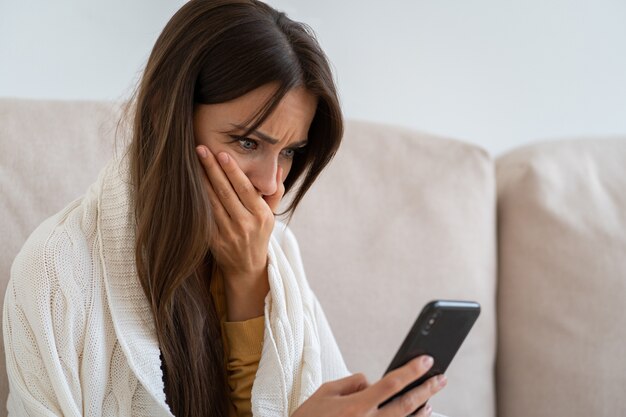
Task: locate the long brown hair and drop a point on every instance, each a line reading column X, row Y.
column 211, row 51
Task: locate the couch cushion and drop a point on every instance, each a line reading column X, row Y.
column 562, row 279
column 50, row 151
column 400, row 218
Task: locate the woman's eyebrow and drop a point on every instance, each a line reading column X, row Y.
column 267, row 138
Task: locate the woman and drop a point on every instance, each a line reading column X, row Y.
column 169, row 288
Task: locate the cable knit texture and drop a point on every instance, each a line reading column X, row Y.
column 79, row 333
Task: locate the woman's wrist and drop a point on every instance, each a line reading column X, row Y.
column 245, row 295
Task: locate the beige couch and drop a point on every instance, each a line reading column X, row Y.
column 537, row 236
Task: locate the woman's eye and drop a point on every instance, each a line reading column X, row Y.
column 289, row 153
column 247, row 144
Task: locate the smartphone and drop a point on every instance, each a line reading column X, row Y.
column 439, row 331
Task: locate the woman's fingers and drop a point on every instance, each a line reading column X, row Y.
column 353, row 396
column 219, row 215
column 233, row 187
column 222, row 186
column 245, row 190
column 399, row 378
column 426, row 411
column 413, row 399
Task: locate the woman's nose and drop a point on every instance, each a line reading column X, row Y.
column 263, row 177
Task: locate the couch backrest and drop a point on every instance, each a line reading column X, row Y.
column 562, row 279
column 399, row 218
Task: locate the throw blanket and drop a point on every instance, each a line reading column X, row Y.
column 79, row 334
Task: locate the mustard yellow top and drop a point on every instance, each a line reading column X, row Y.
column 243, row 342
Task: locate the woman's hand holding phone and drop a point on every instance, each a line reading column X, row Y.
column 244, row 221
column 353, row 396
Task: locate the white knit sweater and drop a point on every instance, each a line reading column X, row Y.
column 79, row 334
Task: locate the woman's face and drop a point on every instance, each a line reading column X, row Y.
column 275, row 141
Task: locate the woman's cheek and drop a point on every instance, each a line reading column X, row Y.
column 242, row 162
column 215, row 148
column 286, row 166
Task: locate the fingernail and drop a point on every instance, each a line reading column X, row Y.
column 202, row 151
column 427, row 360
column 442, row 380
column 223, row 157
column 429, row 408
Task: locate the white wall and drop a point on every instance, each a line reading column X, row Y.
column 493, row 72
column 77, row 49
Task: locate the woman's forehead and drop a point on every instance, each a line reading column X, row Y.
column 295, row 111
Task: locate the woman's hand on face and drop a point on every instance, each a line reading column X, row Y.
column 354, row 397
column 244, row 218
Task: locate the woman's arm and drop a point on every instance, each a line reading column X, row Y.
column 245, row 343
column 244, row 223
column 43, row 318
